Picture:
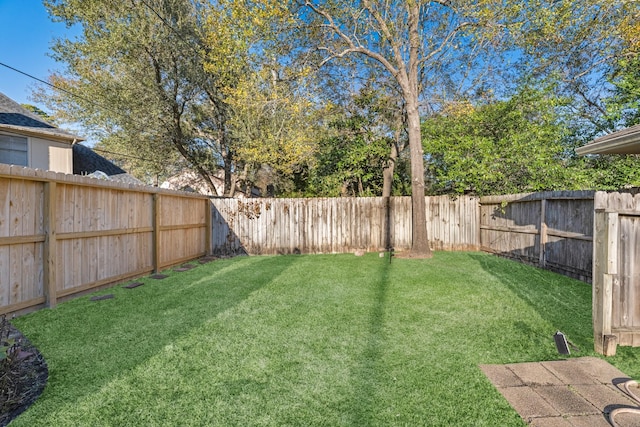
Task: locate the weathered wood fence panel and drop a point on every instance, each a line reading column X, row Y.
column 616, row 281
column 552, row 230
column 62, row 234
column 336, row 225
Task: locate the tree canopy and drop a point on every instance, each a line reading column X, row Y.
column 335, row 97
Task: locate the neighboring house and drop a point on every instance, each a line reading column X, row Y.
column 190, row 181
column 89, row 163
column 28, row 140
column 625, row 141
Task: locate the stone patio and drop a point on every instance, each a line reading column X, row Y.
column 565, row 393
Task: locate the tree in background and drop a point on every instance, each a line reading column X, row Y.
column 502, row 147
column 356, row 157
column 139, row 79
column 274, row 124
column 577, row 44
column 412, row 42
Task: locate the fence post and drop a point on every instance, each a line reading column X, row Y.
column 605, row 277
column 50, row 244
column 543, row 233
column 156, row 232
column 209, row 228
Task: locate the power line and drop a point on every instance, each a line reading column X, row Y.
column 79, row 97
column 50, row 84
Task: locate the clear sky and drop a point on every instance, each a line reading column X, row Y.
column 26, row 34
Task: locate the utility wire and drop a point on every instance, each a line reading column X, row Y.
column 50, row 85
column 72, row 94
column 79, row 97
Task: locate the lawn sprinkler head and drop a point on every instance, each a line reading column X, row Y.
column 561, row 343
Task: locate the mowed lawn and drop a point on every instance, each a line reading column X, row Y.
column 324, row 340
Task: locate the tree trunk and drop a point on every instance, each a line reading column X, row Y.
column 389, row 170
column 420, row 241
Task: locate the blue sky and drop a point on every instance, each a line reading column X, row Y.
column 26, row 34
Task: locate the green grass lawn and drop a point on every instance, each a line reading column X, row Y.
column 331, row 340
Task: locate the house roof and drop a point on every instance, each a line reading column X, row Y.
column 88, row 162
column 15, row 118
column 626, row 141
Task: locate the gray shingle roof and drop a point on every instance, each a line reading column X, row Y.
column 14, row 117
column 86, row 161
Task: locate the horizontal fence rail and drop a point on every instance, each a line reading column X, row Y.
column 63, row 234
column 552, row 230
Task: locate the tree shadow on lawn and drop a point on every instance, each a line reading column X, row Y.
column 563, row 302
column 368, row 373
column 88, row 344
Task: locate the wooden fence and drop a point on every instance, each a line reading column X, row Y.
column 552, row 230
column 63, row 234
column 336, row 225
column 616, row 281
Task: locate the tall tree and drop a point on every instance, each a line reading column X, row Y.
column 410, row 40
column 138, row 78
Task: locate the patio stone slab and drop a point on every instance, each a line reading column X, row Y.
column 600, row 369
column 590, row 421
column 570, row 373
column 158, row 276
column 501, row 376
column 551, row 422
column 578, row 392
column 534, row 374
column 566, row 401
column 528, row 404
column 603, row 395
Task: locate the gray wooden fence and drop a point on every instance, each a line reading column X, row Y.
column 552, row 230
column 337, row 225
column 616, row 281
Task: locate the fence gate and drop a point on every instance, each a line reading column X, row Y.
column 616, row 282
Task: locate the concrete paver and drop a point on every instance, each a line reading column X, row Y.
column 501, row 376
column 603, row 395
column 565, row 401
column 527, row 403
column 590, row 421
column 576, row 392
column 551, row 422
column 570, row 373
column 534, row 374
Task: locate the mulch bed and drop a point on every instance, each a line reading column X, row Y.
column 22, row 379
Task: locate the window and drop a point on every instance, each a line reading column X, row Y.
column 13, row 150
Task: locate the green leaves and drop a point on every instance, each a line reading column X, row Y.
column 500, row 148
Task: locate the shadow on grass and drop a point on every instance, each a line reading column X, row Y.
column 563, row 302
column 368, row 373
column 88, row 344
